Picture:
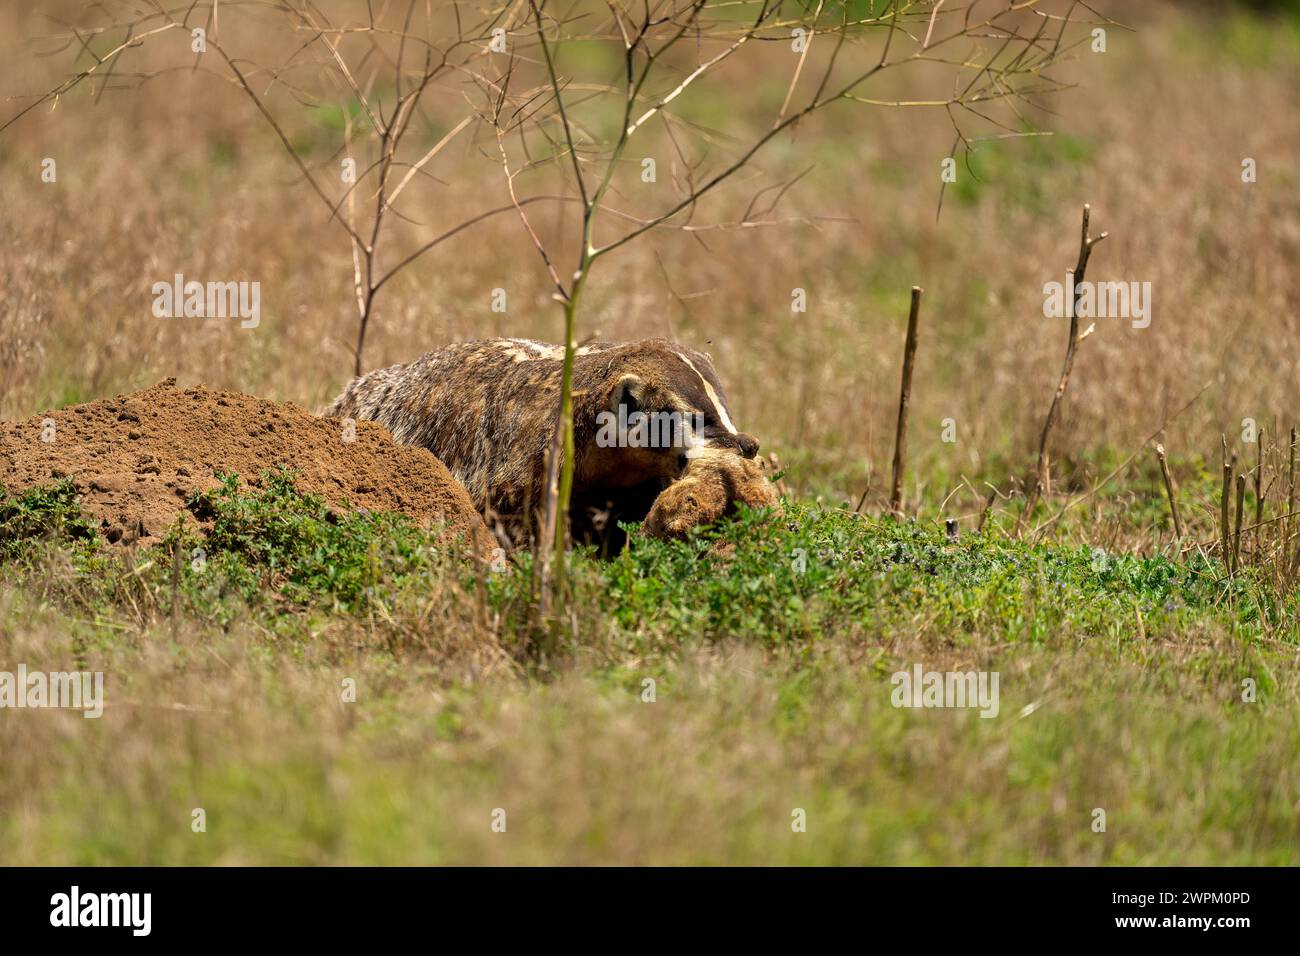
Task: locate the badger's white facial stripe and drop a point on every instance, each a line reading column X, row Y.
column 694, row 443
column 713, row 396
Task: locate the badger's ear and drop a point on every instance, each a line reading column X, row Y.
column 627, row 391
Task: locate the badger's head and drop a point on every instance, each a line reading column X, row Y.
column 663, row 404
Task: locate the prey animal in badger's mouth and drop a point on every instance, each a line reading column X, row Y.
column 487, row 409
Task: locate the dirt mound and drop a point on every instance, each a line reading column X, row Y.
column 136, row 458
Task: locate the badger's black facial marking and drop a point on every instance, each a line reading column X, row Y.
column 696, row 386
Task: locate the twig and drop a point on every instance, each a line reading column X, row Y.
column 1043, row 479
column 1236, row 534
column 1259, row 488
column 1290, row 504
column 1171, row 492
column 1225, row 497
column 988, row 507
column 904, row 396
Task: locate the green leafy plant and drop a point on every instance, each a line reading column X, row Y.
column 48, row 512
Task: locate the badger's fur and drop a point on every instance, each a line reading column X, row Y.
column 488, row 409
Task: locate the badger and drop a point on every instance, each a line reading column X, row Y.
column 488, row 408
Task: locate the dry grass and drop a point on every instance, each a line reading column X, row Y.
column 181, row 176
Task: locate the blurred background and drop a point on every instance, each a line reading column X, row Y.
column 179, row 173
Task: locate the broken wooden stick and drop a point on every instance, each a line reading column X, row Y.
column 1172, row 493
column 1225, row 496
column 1236, row 534
column 1259, row 489
column 1290, row 505
column 905, row 395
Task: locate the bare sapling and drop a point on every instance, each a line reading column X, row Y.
column 1043, row 473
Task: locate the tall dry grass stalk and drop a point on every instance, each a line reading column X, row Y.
column 1225, row 499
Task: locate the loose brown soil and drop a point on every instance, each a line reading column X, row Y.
column 135, row 459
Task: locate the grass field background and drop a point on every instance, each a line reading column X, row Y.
column 1122, row 662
